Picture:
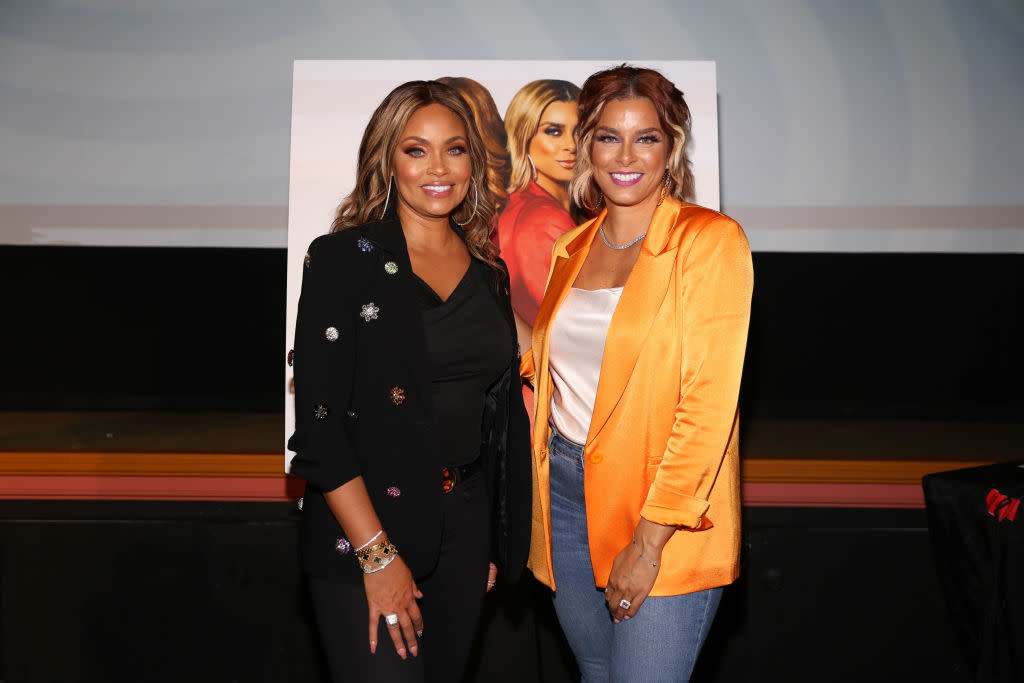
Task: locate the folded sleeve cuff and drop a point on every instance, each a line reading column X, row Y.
column 325, row 479
column 675, row 509
column 324, row 471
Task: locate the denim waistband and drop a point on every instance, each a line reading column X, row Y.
column 564, row 445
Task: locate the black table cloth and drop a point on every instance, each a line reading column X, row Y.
column 976, row 526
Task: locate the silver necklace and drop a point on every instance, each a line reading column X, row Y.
column 627, row 245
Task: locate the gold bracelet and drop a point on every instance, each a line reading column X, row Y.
column 377, row 556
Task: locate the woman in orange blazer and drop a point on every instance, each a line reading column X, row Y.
column 637, row 353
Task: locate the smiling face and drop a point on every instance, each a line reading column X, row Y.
column 431, row 164
column 630, row 152
column 553, row 146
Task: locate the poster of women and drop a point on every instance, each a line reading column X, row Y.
column 526, row 112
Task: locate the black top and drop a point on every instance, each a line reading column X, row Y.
column 468, row 346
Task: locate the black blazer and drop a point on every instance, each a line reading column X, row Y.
column 363, row 407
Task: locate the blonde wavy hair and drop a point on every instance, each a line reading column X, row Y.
column 367, row 201
column 622, row 83
column 522, row 120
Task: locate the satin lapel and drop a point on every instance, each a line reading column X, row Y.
column 564, row 270
column 641, row 298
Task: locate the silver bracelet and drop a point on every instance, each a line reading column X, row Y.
column 653, row 564
column 370, row 542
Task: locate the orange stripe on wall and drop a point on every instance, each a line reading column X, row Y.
column 248, row 489
column 284, row 489
column 798, row 482
column 140, row 464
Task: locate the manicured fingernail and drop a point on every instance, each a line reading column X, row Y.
column 616, row 621
column 414, row 651
column 373, row 647
column 625, row 618
column 401, row 652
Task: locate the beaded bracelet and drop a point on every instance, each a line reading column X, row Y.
column 377, row 556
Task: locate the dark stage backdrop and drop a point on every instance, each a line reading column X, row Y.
column 922, row 336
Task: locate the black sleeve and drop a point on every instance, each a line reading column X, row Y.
column 324, row 364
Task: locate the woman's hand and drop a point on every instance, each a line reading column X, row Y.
column 392, row 590
column 635, row 569
column 492, row 576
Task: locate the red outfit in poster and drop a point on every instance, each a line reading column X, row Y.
column 527, row 230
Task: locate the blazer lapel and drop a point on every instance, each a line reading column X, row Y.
column 641, row 298
column 403, row 319
column 566, row 265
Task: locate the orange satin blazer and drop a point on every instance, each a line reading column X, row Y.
column 663, row 437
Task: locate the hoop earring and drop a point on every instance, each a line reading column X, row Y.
column 600, row 198
column 533, row 175
column 476, row 204
column 387, row 199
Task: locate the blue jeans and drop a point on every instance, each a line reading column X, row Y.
column 660, row 643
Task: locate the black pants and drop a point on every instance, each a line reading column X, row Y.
column 452, row 599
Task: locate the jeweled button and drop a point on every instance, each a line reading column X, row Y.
column 369, row 312
column 331, row 334
column 320, row 412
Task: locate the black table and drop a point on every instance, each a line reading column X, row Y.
column 976, row 524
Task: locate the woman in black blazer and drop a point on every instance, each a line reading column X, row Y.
column 416, row 461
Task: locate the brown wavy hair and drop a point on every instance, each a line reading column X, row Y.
column 522, row 119
column 492, row 128
column 367, row 201
column 625, row 82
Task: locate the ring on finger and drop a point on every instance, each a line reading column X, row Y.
column 625, row 604
column 391, row 619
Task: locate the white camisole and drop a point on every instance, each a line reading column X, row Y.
column 578, row 333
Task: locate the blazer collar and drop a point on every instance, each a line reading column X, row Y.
column 387, row 233
column 659, row 231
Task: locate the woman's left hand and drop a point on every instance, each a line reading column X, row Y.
column 492, row 576
column 635, row 569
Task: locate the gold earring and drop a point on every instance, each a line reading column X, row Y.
column 664, row 187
